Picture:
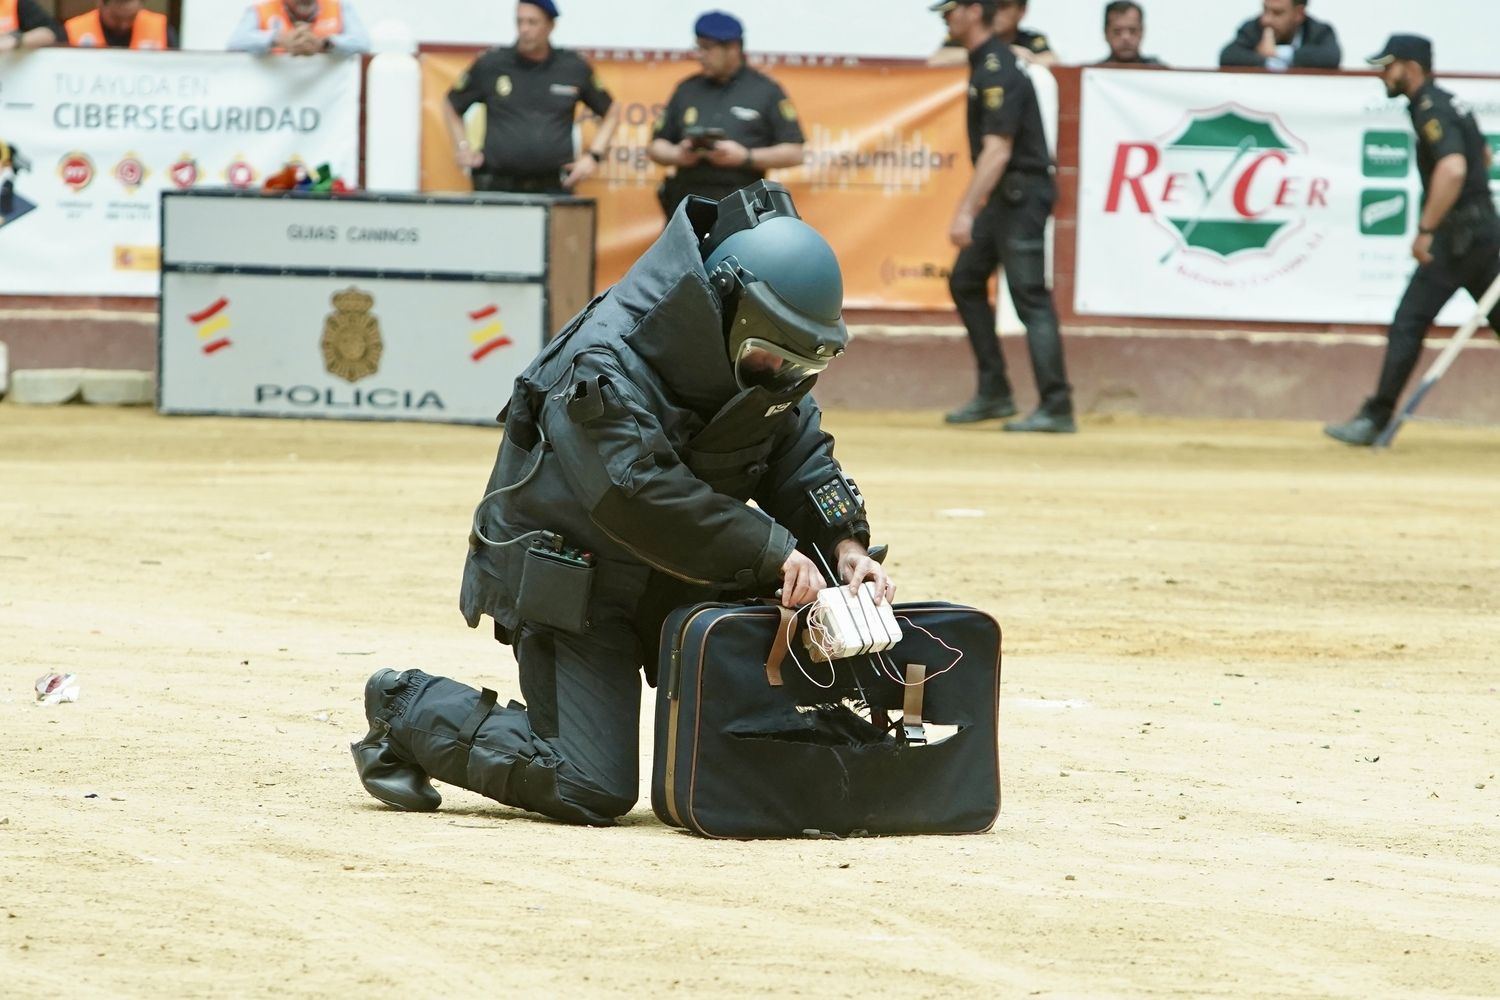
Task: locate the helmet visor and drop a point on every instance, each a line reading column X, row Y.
column 762, row 363
column 775, row 345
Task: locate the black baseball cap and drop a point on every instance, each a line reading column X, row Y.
column 1413, row 47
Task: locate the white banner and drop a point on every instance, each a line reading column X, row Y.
column 1251, row 197
column 105, row 131
column 349, row 348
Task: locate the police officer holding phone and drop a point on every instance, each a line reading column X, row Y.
column 1001, row 221
column 1458, row 232
column 531, row 92
column 725, row 127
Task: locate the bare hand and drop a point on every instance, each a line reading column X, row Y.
column 687, row 156
column 304, row 42
column 728, row 153
column 1421, row 248
column 1023, row 53
column 9, row 42
column 856, row 567
column 580, row 170
column 800, row 580
column 961, row 233
column 468, row 159
column 1267, row 47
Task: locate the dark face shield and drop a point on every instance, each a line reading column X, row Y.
column 772, row 344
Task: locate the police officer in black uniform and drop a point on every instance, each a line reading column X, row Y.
column 1458, row 235
column 725, row 127
column 530, row 92
column 1001, row 221
column 632, row 445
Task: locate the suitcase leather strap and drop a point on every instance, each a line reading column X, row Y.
column 786, row 630
column 911, row 707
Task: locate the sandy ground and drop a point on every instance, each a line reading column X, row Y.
column 1249, row 728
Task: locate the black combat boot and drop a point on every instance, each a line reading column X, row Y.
column 384, row 772
column 1042, row 422
column 1362, row 431
column 984, row 406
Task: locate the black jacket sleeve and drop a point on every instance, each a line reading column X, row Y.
column 802, row 461
column 1241, row 51
column 1319, row 48
column 620, row 465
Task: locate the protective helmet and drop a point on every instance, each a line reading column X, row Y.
column 782, row 290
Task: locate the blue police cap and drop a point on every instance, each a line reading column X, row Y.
column 545, row 6
column 718, row 26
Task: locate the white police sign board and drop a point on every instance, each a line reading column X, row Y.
column 363, row 308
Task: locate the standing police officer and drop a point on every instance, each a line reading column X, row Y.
column 1002, row 221
column 638, row 434
column 1458, row 235
column 530, row 92
column 725, row 127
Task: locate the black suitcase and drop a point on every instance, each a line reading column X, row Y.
column 900, row 745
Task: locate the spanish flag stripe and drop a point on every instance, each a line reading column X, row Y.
column 212, row 327
column 485, row 333
column 199, row 317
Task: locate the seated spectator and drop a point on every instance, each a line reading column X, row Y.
column 1029, row 46
column 1124, row 29
column 1282, row 38
column 25, row 25
column 120, row 24
column 300, row 28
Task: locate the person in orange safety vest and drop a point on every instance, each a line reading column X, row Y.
column 300, row 28
column 120, row 24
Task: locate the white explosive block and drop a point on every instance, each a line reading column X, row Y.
column 851, row 625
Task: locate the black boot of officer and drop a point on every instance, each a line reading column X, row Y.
column 424, row 727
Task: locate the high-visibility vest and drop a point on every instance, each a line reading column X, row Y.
column 329, row 22
column 87, row 31
column 9, row 21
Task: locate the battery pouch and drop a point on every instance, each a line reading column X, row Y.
column 556, row 584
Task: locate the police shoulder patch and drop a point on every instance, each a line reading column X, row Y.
column 503, row 86
column 788, row 110
column 462, row 81
column 690, row 117
column 992, row 63
column 1039, row 43
column 1433, row 130
column 994, row 97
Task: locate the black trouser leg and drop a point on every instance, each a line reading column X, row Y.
column 1023, row 254
column 1430, row 289
column 1479, row 282
column 574, row 756
column 970, row 286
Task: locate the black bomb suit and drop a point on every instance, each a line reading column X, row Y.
column 631, row 437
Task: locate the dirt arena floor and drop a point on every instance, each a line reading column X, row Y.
column 1249, row 728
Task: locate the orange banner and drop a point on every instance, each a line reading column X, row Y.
column 886, row 162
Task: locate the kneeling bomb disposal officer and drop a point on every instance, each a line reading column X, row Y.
column 632, row 443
